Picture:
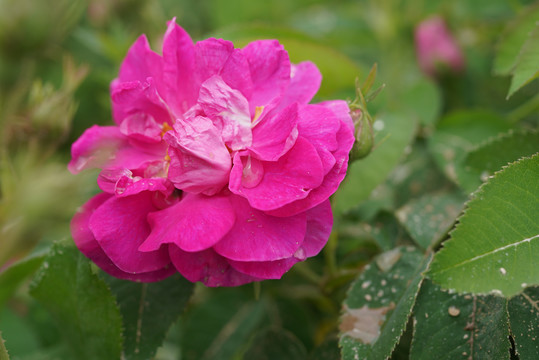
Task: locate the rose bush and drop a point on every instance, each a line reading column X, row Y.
column 217, row 167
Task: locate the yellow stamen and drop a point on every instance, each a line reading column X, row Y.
column 166, row 127
column 258, row 112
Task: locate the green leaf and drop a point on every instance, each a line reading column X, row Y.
column 524, row 322
column 11, row 278
column 423, row 100
column 430, row 217
column 81, row 303
column 514, row 37
column 451, row 326
column 393, row 133
column 338, row 70
column 496, row 244
column 219, row 327
column 527, row 67
column 328, row 350
column 483, row 161
column 3, row 351
column 379, row 303
column 275, row 344
column 148, row 311
column 460, row 132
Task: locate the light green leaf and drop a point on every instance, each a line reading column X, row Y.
column 423, row 100
column 460, row 132
column 11, row 278
column 276, row 344
column 430, row 217
column 451, row 326
column 495, row 246
column 148, row 311
column 3, row 351
column 489, row 157
column 527, row 67
column 513, row 38
column 379, row 303
column 393, row 133
column 524, row 322
column 80, row 302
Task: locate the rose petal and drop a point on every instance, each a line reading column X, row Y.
column 207, row 267
column 264, row 269
column 305, row 80
column 270, row 71
column 256, row 236
column 273, row 136
column 229, row 111
column 199, row 160
column 88, row 245
column 196, row 223
column 140, row 62
column 292, row 177
column 236, row 73
column 120, row 227
column 210, row 57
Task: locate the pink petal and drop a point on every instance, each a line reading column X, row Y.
column 256, row 236
column 140, row 62
column 207, row 267
column 319, row 224
column 88, row 245
column 179, row 85
column 292, row 177
column 264, row 269
column 129, row 185
column 305, row 79
column 210, row 57
column 345, row 140
column 139, row 101
column 229, row 111
column 236, row 73
column 270, row 71
column 273, row 136
column 141, row 127
column 199, row 160
column 95, row 147
column 120, row 227
column 196, row 223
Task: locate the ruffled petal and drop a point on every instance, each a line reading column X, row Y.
column 229, row 111
column 120, row 227
column 207, row 267
column 140, row 62
column 88, row 245
column 305, row 80
column 199, row 160
column 270, row 71
column 264, row 269
column 292, row 177
column 236, row 73
column 210, row 57
column 273, row 136
column 196, row 223
column 256, row 236
column 345, row 140
column 179, row 84
column 95, row 147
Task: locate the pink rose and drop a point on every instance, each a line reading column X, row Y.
column 217, row 167
column 436, row 48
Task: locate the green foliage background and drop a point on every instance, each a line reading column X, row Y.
column 395, row 250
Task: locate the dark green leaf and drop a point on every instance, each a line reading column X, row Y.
column 393, row 133
column 379, row 303
column 524, row 322
column 148, row 311
column 527, row 67
column 80, row 302
column 219, row 327
column 275, row 344
column 483, row 161
column 328, row 350
column 428, row 218
column 459, row 133
column 18, row 333
column 11, row 278
column 496, row 243
column 452, row 326
column 3, row 352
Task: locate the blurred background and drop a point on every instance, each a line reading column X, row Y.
column 57, row 59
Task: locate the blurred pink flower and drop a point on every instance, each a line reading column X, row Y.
column 436, row 48
column 217, row 167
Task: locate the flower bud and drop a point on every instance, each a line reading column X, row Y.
column 364, row 135
column 436, row 48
